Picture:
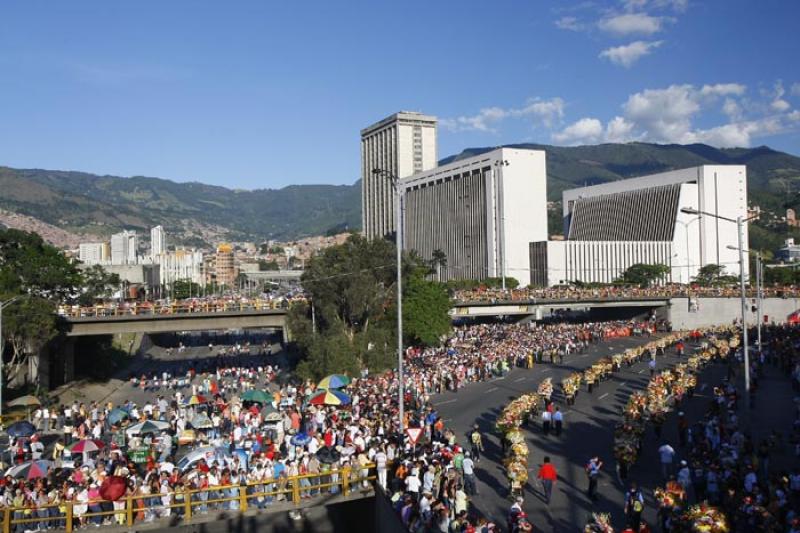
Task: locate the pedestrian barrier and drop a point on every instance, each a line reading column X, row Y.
column 186, row 504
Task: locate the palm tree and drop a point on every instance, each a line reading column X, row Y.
column 438, row 261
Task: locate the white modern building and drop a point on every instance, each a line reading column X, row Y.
column 611, row 226
column 94, row 253
column 401, row 144
column 481, row 211
column 158, row 241
column 181, row 265
column 124, row 248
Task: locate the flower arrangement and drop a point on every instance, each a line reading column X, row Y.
column 705, row 519
column 546, row 388
column 571, row 384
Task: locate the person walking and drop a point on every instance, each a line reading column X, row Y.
column 548, row 477
column 477, row 443
column 652, row 366
column 593, row 471
column 634, row 505
column 558, row 421
column 468, row 467
column 547, row 416
column 666, row 454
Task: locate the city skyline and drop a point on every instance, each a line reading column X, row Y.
column 234, row 96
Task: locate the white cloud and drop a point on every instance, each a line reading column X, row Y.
column 544, row 112
column 732, row 108
column 794, row 116
column 570, row 23
column 723, row 89
column 780, row 105
column 631, row 23
column 629, row 54
column 619, row 130
column 795, row 90
column 586, row 130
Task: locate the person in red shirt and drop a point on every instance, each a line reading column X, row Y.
column 548, row 476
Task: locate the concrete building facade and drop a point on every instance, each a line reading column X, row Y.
column 124, row 248
column 637, row 213
column 180, row 265
column 94, row 253
column 158, row 241
column 481, row 211
column 402, row 144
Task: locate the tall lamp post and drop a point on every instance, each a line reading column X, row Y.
column 688, row 261
column 759, row 302
column 739, row 221
column 398, row 220
column 501, row 215
column 2, row 348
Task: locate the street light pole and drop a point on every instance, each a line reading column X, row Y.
column 739, row 228
column 398, row 217
column 2, row 352
column 759, row 273
column 688, row 260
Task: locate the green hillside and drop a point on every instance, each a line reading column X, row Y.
column 194, row 211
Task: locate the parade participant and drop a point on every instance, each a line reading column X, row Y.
column 547, row 476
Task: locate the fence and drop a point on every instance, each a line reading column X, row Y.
column 186, row 504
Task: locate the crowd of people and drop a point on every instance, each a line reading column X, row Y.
column 201, row 403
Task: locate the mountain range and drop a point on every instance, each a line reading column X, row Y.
column 198, row 214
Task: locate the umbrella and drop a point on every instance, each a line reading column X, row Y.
column 86, row 446
column 258, row 396
column 201, row 421
column 25, row 401
column 196, row 399
column 113, row 488
column 273, row 417
column 334, row 381
column 328, row 455
column 148, row 426
column 117, row 415
column 21, row 429
column 329, row 397
column 301, row 439
column 31, row 469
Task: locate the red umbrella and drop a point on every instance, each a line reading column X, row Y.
column 87, row 445
column 113, row 488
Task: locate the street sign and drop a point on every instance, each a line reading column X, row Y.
column 413, row 434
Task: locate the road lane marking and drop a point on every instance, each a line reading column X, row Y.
column 603, row 396
column 622, row 384
column 519, row 379
column 449, row 401
column 640, row 371
column 493, row 389
column 546, row 370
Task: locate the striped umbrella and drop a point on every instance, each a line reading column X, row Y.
column 258, row 396
column 196, row 399
column 148, row 426
column 334, row 381
column 86, row 446
column 201, row 421
column 31, row 470
column 329, row 397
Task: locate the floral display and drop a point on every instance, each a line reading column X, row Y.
column 600, row 523
column 508, row 423
column 546, row 388
column 571, row 385
column 704, row 519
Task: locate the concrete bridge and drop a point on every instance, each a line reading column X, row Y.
column 538, row 307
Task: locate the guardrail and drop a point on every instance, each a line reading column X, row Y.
column 101, row 311
column 186, row 504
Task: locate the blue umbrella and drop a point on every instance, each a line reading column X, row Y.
column 301, row 439
column 21, row 429
column 117, row 415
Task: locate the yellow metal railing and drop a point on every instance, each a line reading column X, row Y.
column 186, row 503
column 100, row 310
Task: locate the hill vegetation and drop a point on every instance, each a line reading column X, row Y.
column 197, row 213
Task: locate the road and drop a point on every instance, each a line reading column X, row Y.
column 588, row 430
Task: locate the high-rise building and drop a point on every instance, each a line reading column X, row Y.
column 158, row 241
column 124, row 248
column 181, row 265
column 403, row 144
column 225, row 271
column 94, row 253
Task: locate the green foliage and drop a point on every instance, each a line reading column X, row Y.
column 425, row 310
column 28, row 324
column 487, row 283
column 644, row 275
column 185, row 288
column 781, row 276
column 712, row 274
column 267, row 265
column 97, row 285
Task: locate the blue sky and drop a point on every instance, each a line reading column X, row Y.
column 256, row 94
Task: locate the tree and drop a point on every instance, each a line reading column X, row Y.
column 97, row 284
column 713, row 274
column 28, row 324
column 426, row 308
column 267, row 265
column 644, row 275
column 438, row 262
column 185, row 288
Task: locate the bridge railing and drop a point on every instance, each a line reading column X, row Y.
column 188, row 503
column 151, row 309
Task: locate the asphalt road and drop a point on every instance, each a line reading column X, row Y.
column 588, row 430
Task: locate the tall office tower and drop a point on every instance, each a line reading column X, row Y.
column 92, row 253
column 158, row 242
column 124, row 248
column 225, row 270
column 403, row 144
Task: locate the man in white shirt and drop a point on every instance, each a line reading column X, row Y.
column 468, row 466
column 413, row 483
column 380, row 466
column 667, row 454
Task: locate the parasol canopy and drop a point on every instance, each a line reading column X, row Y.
column 30, row 470
column 328, row 455
column 258, row 396
column 196, row 399
column 113, row 488
column 148, row 426
column 334, row 381
column 117, row 415
column 301, row 439
column 201, row 421
column 25, row 401
column 86, row 446
column 329, row 397
column 273, row 417
column 21, row 429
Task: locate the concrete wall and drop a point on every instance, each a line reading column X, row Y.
column 713, row 311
